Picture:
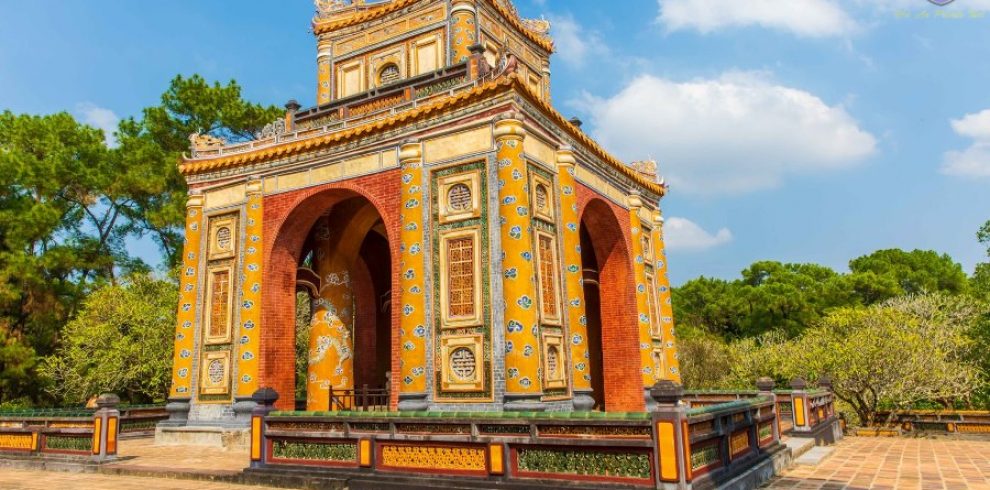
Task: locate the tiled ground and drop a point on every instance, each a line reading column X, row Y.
column 142, row 452
column 897, row 463
column 15, row 479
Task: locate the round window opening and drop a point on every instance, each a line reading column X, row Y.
column 215, row 371
column 553, row 362
column 541, row 197
column 389, row 74
column 462, row 363
column 459, row 197
column 223, row 238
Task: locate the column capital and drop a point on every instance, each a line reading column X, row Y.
column 195, row 199
column 411, row 151
column 634, row 201
column 253, row 185
column 565, row 156
column 509, row 128
column 658, row 218
column 462, row 5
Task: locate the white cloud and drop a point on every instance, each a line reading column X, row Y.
column 807, row 18
column 737, row 133
column 681, row 234
column 975, row 160
column 100, row 118
column 575, row 43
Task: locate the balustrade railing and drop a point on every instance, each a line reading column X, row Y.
column 73, row 432
column 363, row 399
column 673, row 446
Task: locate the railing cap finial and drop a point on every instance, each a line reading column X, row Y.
column 765, row 384
column 107, row 400
column 265, row 396
column 799, row 383
column 667, row 392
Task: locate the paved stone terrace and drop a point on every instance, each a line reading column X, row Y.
column 896, row 463
column 17, row 479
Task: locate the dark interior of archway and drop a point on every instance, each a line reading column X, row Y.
column 372, row 339
column 593, row 313
column 371, row 280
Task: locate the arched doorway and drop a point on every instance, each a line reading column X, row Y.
column 335, row 246
column 613, row 338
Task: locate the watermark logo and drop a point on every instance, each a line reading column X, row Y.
column 941, row 3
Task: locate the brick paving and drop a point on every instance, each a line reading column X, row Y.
column 144, row 453
column 17, row 479
column 896, row 463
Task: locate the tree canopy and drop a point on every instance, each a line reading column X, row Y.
column 69, row 204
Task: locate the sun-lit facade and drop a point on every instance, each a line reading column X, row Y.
column 463, row 245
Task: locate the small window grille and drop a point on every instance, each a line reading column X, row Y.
column 460, row 277
column 459, row 197
column 547, row 270
column 553, row 363
column 462, row 363
column 389, row 74
column 541, row 197
column 219, row 303
column 223, row 238
column 215, row 371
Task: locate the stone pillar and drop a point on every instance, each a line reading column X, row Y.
column 106, row 426
column 264, row 402
column 413, row 331
column 249, row 341
column 765, row 387
column 324, row 77
column 463, row 29
column 577, row 322
column 670, row 426
column 331, row 342
column 546, row 80
column 523, row 388
column 648, row 368
column 671, row 363
column 185, row 331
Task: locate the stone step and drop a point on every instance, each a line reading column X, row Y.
column 799, row 445
column 815, row 455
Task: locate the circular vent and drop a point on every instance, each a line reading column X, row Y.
column 389, row 74
column 459, row 197
column 215, row 371
column 223, row 238
column 462, row 363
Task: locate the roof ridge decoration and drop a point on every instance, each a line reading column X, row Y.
column 337, row 14
column 507, row 82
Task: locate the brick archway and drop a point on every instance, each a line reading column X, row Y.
column 607, row 227
column 289, row 217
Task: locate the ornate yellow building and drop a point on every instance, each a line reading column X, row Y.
column 464, row 246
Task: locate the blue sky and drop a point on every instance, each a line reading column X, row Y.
column 794, row 130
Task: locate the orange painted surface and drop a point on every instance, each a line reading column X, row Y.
column 672, row 368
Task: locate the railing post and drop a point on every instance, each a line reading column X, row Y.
column 106, row 422
column 765, row 386
column 670, row 436
column 799, row 405
column 264, row 400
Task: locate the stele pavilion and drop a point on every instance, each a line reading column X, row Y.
column 463, row 245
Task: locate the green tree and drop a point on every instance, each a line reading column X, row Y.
column 121, row 342
column 708, row 305
column 60, row 232
column 979, row 283
column 885, row 274
column 153, row 146
column 895, row 354
column 983, row 235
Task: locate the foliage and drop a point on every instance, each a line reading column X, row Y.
column 61, row 233
column 303, row 326
column 120, row 342
column 886, row 274
column 770, row 296
column 983, row 236
column 155, row 144
column 979, row 283
column 895, row 354
column 69, row 204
